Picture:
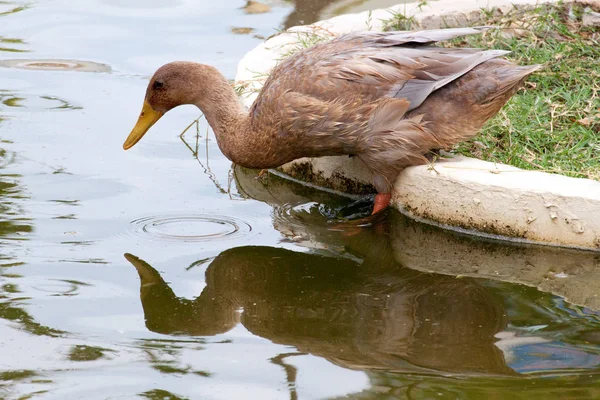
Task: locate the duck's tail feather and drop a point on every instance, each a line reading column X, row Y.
column 509, row 79
column 459, row 110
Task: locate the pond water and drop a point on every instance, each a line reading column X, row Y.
column 163, row 273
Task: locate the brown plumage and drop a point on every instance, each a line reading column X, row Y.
column 388, row 98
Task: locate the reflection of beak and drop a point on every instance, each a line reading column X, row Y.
column 148, row 275
column 147, row 118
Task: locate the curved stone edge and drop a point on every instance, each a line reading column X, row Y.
column 503, row 200
column 475, row 195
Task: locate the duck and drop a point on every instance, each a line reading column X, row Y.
column 388, row 98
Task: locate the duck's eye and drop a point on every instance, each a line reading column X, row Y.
column 157, row 85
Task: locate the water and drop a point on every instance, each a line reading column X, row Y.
column 163, row 273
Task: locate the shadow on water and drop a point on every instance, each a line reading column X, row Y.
column 353, row 301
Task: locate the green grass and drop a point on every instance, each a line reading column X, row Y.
column 398, row 21
column 553, row 124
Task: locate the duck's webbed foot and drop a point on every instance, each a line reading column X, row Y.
column 382, row 201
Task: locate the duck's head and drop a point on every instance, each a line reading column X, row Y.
column 171, row 85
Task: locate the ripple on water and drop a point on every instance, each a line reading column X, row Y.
column 305, row 214
column 190, row 228
column 316, row 214
column 59, row 287
column 56, row 65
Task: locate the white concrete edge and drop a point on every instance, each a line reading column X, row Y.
column 461, row 192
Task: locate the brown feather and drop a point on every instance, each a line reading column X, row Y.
column 388, row 98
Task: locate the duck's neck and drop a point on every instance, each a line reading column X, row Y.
column 222, row 109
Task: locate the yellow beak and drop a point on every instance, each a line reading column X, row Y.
column 147, row 118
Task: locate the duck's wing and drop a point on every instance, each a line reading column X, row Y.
column 406, row 73
column 372, row 65
column 400, row 65
column 424, row 37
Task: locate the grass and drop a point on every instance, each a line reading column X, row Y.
column 304, row 40
column 399, row 21
column 554, row 123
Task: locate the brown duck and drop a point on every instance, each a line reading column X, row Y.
column 387, row 98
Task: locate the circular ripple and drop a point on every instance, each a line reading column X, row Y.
column 56, row 65
column 191, row 228
column 59, row 287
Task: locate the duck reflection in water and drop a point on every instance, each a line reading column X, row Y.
column 373, row 314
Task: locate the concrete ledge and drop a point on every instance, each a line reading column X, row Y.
column 463, row 193
column 503, row 200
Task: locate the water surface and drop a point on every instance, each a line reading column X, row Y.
column 162, row 272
